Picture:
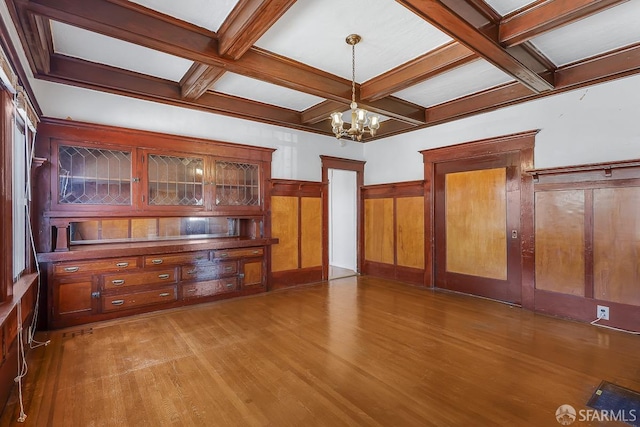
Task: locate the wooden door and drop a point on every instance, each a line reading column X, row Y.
column 477, row 218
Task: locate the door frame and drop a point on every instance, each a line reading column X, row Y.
column 357, row 166
column 520, row 143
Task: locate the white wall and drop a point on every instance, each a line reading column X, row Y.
column 343, row 217
column 596, row 124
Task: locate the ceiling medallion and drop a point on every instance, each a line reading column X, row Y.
column 361, row 121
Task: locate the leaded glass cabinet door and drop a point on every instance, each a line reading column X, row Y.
column 237, row 184
column 174, row 181
column 91, row 177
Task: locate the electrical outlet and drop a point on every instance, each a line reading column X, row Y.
column 602, row 312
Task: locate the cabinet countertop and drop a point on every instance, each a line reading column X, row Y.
column 87, row 252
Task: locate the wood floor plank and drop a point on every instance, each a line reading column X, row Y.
column 357, row 351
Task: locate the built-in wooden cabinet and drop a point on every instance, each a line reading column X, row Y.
column 137, row 221
column 84, row 291
column 92, row 174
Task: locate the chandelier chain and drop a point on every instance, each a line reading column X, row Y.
column 353, row 73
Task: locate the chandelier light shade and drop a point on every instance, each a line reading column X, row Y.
column 361, row 120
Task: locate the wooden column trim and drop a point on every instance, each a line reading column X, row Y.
column 527, row 227
column 588, row 243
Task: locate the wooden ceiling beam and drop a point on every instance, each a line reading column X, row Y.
column 135, row 24
column 36, row 33
column 451, row 22
column 321, row 111
column 543, row 16
column 199, row 79
column 398, row 109
column 481, row 102
column 78, row 72
column 605, row 67
column 446, row 57
column 246, row 23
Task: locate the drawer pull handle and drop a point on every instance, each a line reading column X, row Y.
column 156, row 261
column 117, row 302
column 192, row 290
column 71, row 269
column 229, row 268
column 224, row 255
column 118, row 282
column 163, row 276
column 194, row 271
column 164, row 294
column 229, row 285
column 122, row 264
column 256, row 252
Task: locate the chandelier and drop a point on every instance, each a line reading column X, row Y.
column 360, row 119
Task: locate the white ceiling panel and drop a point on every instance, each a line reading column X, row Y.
column 94, row 47
column 314, row 32
column 504, row 7
column 476, row 76
column 203, row 13
column 245, row 87
column 613, row 28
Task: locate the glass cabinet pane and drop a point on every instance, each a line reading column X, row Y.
column 237, row 184
column 94, row 176
column 175, row 181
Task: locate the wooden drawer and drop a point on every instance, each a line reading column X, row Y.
column 127, row 301
column 176, row 259
column 209, row 271
column 238, row 253
column 99, row 266
column 209, row 287
column 122, row 280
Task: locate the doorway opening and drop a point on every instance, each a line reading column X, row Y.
column 343, row 226
column 342, row 217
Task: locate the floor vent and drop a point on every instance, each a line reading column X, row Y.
column 616, row 403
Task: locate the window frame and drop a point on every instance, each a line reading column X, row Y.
column 20, row 126
column 7, row 109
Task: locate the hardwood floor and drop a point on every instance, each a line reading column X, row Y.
column 339, row 272
column 355, row 351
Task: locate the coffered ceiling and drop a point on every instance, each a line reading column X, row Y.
column 286, row 62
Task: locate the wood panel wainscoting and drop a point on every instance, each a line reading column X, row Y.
column 394, row 238
column 296, row 221
column 358, row 351
column 587, row 242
